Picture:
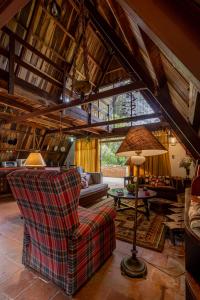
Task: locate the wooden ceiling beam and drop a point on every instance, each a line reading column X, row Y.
column 27, row 36
column 166, row 25
column 153, row 53
column 111, row 122
column 27, row 89
column 156, row 61
column 11, row 101
column 70, row 35
column 125, row 27
column 122, row 131
column 194, row 107
column 134, row 68
column 40, row 122
column 73, row 114
column 183, row 129
column 32, row 69
column 105, row 69
column 93, row 97
column 26, row 45
column 9, row 8
column 5, row 116
column 123, row 24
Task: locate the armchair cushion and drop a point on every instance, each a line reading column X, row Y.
column 92, row 220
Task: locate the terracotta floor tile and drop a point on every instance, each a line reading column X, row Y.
column 38, row 290
column 16, row 283
column 107, row 284
column 7, row 268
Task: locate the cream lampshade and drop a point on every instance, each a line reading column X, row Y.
column 35, row 159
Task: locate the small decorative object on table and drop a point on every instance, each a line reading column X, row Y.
column 120, row 192
column 131, row 188
column 186, row 163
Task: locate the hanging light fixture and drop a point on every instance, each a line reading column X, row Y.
column 62, row 148
column 172, row 139
column 35, row 159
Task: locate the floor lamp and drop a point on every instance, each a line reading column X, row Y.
column 138, row 143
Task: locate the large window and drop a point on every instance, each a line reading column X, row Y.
column 108, row 157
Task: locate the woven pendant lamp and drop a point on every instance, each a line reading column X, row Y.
column 138, row 143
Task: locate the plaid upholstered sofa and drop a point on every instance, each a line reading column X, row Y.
column 63, row 241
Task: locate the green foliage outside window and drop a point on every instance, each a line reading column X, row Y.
column 108, row 157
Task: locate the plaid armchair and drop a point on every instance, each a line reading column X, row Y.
column 62, row 241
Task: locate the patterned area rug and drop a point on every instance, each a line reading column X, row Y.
column 150, row 234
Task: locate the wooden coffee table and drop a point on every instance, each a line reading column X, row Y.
column 120, row 194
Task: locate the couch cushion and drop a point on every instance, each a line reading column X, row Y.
column 94, row 188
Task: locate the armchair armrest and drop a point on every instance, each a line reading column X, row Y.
column 91, row 221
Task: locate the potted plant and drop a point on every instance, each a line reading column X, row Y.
column 131, row 188
column 186, row 163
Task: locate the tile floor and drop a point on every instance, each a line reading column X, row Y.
column 19, row 283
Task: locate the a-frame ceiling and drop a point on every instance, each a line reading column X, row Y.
column 145, row 41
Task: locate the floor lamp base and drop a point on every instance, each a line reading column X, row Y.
column 133, row 267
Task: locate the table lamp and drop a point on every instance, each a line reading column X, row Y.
column 138, row 143
column 35, row 160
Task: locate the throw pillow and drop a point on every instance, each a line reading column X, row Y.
column 84, row 182
column 90, row 181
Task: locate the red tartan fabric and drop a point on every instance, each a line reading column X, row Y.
column 65, row 243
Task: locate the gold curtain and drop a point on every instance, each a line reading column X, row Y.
column 87, row 154
column 158, row 165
